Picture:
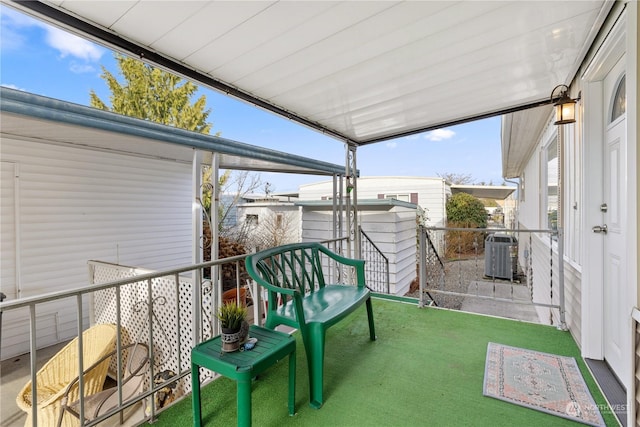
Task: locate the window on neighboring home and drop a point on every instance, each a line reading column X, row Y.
column 401, row 197
column 411, row 197
column 251, row 219
column 279, row 220
column 550, row 175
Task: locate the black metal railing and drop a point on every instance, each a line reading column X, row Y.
column 376, row 268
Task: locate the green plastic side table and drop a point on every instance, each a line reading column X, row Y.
column 242, row 367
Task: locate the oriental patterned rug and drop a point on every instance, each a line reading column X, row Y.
column 541, row 381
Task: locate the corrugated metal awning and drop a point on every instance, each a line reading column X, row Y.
column 360, row 71
column 498, row 192
column 37, row 117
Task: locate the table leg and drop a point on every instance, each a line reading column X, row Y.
column 244, row 401
column 195, row 395
column 292, row 382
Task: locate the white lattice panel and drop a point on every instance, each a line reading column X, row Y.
column 159, row 303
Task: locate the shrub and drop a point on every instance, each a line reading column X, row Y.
column 464, row 211
column 459, row 243
column 226, row 248
column 463, row 208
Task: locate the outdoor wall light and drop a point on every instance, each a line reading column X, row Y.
column 565, row 106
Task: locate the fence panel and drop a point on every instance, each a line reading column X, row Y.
column 461, row 267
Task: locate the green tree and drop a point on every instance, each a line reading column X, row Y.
column 153, row 94
column 149, row 93
column 463, row 208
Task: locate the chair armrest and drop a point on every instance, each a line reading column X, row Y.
column 341, row 259
column 128, row 371
column 73, row 385
column 352, row 262
column 253, row 270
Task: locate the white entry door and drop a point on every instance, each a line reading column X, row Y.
column 616, row 295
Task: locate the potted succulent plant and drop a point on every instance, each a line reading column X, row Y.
column 233, row 324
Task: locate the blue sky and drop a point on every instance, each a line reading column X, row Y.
column 41, row 59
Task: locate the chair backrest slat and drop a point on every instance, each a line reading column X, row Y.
column 292, row 267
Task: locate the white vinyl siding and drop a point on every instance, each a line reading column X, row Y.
column 571, row 199
column 533, row 215
column 431, row 193
column 550, row 189
column 8, row 224
column 77, row 204
column 317, row 225
column 391, row 228
column 546, row 286
column 528, row 211
column 394, row 233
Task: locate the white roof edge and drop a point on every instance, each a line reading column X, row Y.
column 519, row 135
column 31, row 105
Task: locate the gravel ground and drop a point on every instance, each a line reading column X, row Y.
column 458, row 276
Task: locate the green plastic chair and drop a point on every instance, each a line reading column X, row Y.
column 299, row 297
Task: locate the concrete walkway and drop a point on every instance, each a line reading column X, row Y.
column 519, row 307
column 14, row 374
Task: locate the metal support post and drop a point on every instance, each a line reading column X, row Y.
column 563, row 323
column 215, row 237
column 352, row 202
column 196, row 227
column 422, row 278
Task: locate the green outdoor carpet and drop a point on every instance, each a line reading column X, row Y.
column 426, row 368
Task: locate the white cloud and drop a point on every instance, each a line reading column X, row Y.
column 11, row 38
column 71, row 45
column 81, row 68
column 439, row 134
column 392, row 145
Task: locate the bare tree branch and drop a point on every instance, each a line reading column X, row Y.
column 457, row 178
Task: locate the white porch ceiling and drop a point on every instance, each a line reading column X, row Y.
column 361, row 71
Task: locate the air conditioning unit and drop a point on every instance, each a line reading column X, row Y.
column 501, row 256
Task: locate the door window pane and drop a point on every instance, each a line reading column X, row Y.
column 619, row 104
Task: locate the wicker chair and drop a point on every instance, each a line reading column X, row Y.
column 135, row 359
column 61, row 370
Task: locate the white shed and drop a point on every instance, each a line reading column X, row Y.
column 429, row 193
column 390, row 224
